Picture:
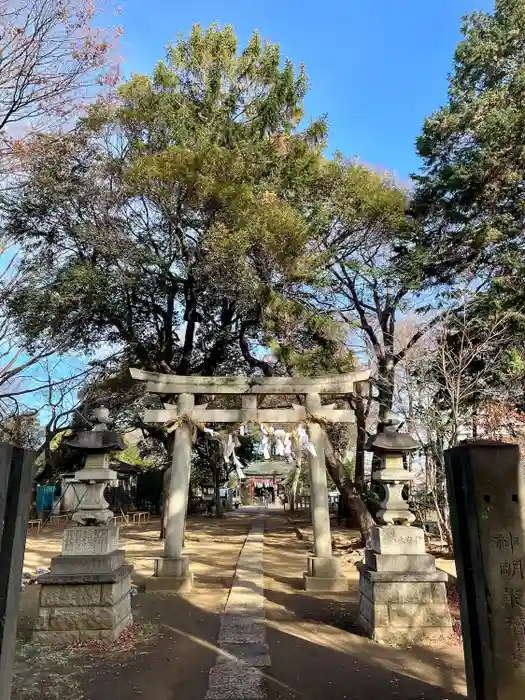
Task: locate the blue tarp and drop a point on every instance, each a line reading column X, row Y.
column 44, row 498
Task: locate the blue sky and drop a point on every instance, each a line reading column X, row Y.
column 377, row 67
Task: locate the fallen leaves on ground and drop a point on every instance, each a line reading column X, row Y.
column 48, row 672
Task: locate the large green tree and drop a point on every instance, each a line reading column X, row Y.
column 162, row 225
column 363, row 290
column 470, row 193
column 194, row 221
column 158, row 232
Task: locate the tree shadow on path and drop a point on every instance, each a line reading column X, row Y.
column 315, row 652
column 318, row 651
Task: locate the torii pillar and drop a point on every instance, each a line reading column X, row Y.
column 323, row 569
column 172, row 573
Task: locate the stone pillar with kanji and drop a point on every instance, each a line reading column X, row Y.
column 403, row 596
column 486, row 486
column 86, row 594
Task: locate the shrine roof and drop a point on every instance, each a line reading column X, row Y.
column 269, row 467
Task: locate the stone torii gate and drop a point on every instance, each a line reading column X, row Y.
column 172, row 573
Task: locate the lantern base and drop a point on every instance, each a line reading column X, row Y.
column 402, row 595
column 84, row 605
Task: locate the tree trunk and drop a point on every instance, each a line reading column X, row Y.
column 357, row 507
column 295, row 481
column 385, row 385
column 217, row 488
column 352, row 499
column 443, row 525
column 360, row 417
column 440, row 493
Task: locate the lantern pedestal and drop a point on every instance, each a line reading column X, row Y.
column 86, row 594
column 402, row 596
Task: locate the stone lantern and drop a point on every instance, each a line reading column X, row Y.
column 86, row 595
column 389, row 448
column 402, row 596
column 97, row 444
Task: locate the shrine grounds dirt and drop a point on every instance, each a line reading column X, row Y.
column 315, row 646
column 174, row 641
column 315, row 649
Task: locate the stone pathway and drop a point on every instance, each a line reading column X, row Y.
column 242, row 637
